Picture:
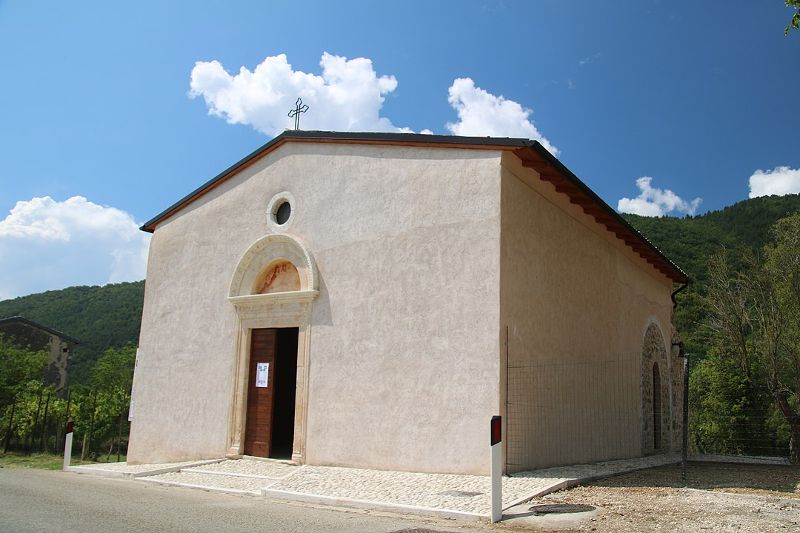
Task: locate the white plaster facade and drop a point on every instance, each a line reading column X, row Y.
column 424, row 270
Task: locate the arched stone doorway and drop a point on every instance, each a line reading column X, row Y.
column 656, row 408
column 272, row 289
column 656, row 412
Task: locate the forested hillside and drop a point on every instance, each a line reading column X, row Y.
column 102, row 317
column 99, row 317
column 691, row 241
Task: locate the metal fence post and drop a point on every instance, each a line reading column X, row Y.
column 685, row 446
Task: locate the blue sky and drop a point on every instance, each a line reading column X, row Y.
column 105, row 107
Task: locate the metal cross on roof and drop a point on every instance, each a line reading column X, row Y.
column 299, row 107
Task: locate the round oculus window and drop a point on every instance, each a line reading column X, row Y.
column 283, row 212
column 280, row 211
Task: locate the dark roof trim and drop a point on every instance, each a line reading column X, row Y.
column 551, row 169
column 23, row 320
column 531, row 153
column 404, row 139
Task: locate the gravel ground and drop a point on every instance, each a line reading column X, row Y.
column 717, row 497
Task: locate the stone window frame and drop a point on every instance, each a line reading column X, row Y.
column 272, row 210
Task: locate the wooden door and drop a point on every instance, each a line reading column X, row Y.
column 260, row 392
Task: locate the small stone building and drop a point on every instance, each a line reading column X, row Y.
column 39, row 337
column 373, row 299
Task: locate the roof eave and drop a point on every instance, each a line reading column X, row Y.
column 564, row 181
column 23, row 320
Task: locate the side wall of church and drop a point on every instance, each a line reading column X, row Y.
column 575, row 305
column 403, row 356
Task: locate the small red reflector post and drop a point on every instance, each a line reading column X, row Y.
column 70, row 425
column 495, row 431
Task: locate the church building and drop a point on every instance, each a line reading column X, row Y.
column 373, row 299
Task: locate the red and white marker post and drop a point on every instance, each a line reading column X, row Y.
column 496, row 470
column 68, row 445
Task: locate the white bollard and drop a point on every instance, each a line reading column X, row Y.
column 496, row 470
column 68, row 446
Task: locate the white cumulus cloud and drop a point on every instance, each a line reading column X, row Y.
column 655, row 202
column 779, row 181
column 348, row 96
column 47, row 244
column 480, row 113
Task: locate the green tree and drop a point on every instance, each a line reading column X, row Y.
column 111, row 381
column 114, row 370
column 18, row 366
column 754, row 318
column 777, row 302
column 794, row 23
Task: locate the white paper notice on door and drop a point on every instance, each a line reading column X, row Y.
column 262, row 375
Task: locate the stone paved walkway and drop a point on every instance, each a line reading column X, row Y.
column 248, row 468
column 458, row 495
column 126, row 470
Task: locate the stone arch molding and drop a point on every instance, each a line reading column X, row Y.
column 271, row 310
column 266, row 251
column 654, row 353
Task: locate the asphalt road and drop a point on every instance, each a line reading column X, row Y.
column 39, row 500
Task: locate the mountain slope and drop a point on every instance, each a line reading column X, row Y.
column 99, row 317
column 691, row 241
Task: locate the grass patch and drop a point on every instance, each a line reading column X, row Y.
column 42, row 461
column 47, row 461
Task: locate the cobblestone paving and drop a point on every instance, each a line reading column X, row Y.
column 442, row 491
column 469, row 494
column 214, row 481
column 249, row 467
column 563, row 473
column 125, row 468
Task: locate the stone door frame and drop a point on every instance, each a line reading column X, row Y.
column 273, row 310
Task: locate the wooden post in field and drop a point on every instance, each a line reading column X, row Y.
column 44, row 424
column 10, row 426
column 119, row 434
column 91, row 422
column 30, row 438
column 61, row 426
